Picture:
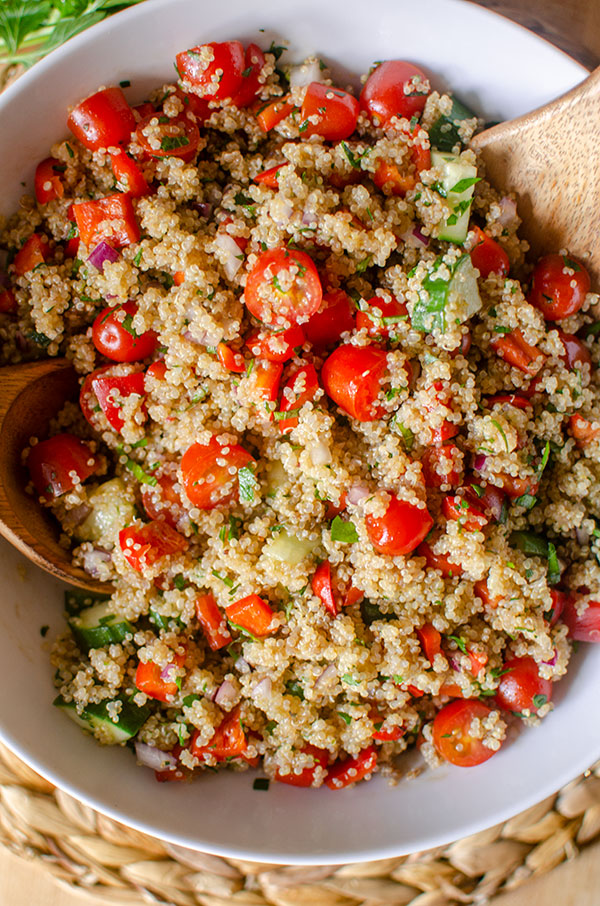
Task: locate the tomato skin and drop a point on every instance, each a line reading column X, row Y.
column 156, row 371
column 551, row 290
column 253, row 614
column 299, row 388
column 391, row 181
column 490, row 499
column 228, row 741
column 206, row 483
column 520, row 685
column 467, row 514
column 269, row 177
column 509, row 399
column 322, row 586
column 400, row 530
column 102, row 120
column 274, row 113
column 352, row 377
column 449, row 456
column 379, row 309
column 162, row 501
column 203, row 76
column 146, row 543
column 111, row 218
column 8, row 302
column 335, row 317
column 115, row 341
column 584, row 627
column 48, row 183
column 101, row 385
column 128, row 174
column 254, row 61
column 431, row 641
column 154, row 681
column 307, row 775
column 383, row 95
column 451, row 733
column 515, row 350
column 582, row 430
column 383, row 734
column 51, row 461
column 276, row 347
column 345, row 773
column 440, row 562
column 230, row 360
column 336, row 112
column 36, row 250
column 576, row 352
column 482, row 591
column 213, row 622
column 171, row 134
column 286, row 306
column 487, row 255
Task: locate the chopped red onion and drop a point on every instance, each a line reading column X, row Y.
column 551, row 662
column 77, row 515
column 494, row 501
column 415, row 239
column 328, row 675
column 508, row 211
column 225, row 694
column 93, row 561
column 420, row 236
column 242, row 665
column 357, row 493
column 308, row 218
column 169, row 673
column 233, row 257
column 582, row 536
column 320, row 454
column 479, row 462
column 154, row 758
column 204, row 208
column 453, row 662
column 101, row 254
column 304, row 73
column 264, row 688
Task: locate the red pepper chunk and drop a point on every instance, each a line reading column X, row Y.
column 269, row 177
column 111, row 218
column 345, row 773
column 431, row 641
column 36, row 250
column 157, row 682
column 102, row 120
column 229, row 740
column 461, row 510
column 213, row 622
column 48, row 183
column 322, row 587
column 437, row 561
column 274, row 113
column 230, row 360
column 307, row 776
column 515, row 350
column 145, row 544
column 583, row 430
column 298, row 389
column 382, row 733
column 128, row 174
column 252, row 614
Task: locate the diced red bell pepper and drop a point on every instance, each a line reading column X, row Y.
column 229, row 740
column 322, row 587
column 487, row 255
column 213, row 622
column 431, row 641
column 469, row 517
column 157, row 682
column 515, row 350
column 48, row 182
column 36, row 250
column 382, row 733
column 273, row 113
column 345, row 773
column 232, row 361
column 583, row 430
column 111, row 218
column 253, row 614
column 307, row 776
column 269, row 177
column 145, row 544
column 440, row 562
column 128, row 174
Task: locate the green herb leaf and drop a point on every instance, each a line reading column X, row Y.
column 247, row 483
column 190, row 699
column 172, row 142
column 261, row 783
column 553, row 575
column 463, row 184
column 294, row 688
column 342, row 531
column 539, row 701
column 460, row 642
column 345, row 717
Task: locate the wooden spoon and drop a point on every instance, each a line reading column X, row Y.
column 30, row 395
column 551, row 159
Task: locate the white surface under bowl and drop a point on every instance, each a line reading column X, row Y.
column 502, row 71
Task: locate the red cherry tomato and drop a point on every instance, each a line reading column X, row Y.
column 48, row 182
column 102, row 120
column 345, row 773
column 380, row 315
column 264, row 386
column 394, row 88
column 36, row 250
column 514, row 349
column 274, row 113
column 228, row 741
column 328, row 112
column 156, row 371
column 440, row 562
column 353, row 377
column 115, row 337
column 521, row 686
column 105, row 389
column 442, row 466
column 128, row 174
column 213, row 71
column 178, row 137
column 452, row 733
column 401, row 528
column 306, row 777
column 469, row 517
column 559, row 600
column 213, row 622
column 144, row 544
column 299, row 388
column 576, row 352
column 322, row 587
column 487, row 255
column 200, row 107
column 253, row 614
column 583, row 430
column 163, row 500
column 382, row 733
column 276, row 347
column 431, row 641
column 335, row 317
column 269, row 177
column 206, row 475
column 232, row 361
column 559, row 286
column 509, row 399
column 111, row 218
column 584, row 624
column 253, row 63
column 57, row 464
column 283, row 287
column 487, row 497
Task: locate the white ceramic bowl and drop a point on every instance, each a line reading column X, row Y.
column 502, row 71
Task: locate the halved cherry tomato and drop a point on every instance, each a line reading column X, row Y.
column 200, row 107
column 283, row 287
column 583, row 626
column 161, row 136
column 228, row 741
column 394, row 89
column 442, row 466
column 36, row 250
column 163, row 500
column 251, row 85
column 461, row 510
column 452, row 733
column 487, row 497
column 111, row 218
column 322, row 587
column 382, row 733
column 156, row 371
column 334, row 317
column 559, row 600
column 576, row 352
column 482, row 591
column 508, row 399
column 353, row 377
column 307, row 776
column 583, row 430
column 57, row 464
column 440, row 562
column 206, row 475
column 515, row 486
column 8, row 302
column 444, row 432
column 401, row 528
column 48, row 182
column 478, row 661
column 487, row 255
column 114, row 336
column 299, row 388
column 232, row 361
column 514, row 349
column 559, row 286
column 102, row 120
column 352, row 596
column 264, row 386
column 431, row 641
column 351, row 770
column 143, row 544
column 391, row 180
column 212, row 71
column 213, row 622
column 106, row 389
column 380, row 315
column 328, row 112
column 128, row 174
column 157, row 682
column 521, row 686
column 269, row 177
column 276, row 347
column 253, row 614
column 274, row 113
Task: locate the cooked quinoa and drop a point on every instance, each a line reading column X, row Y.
column 261, row 615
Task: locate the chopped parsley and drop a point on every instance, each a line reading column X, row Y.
column 345, row 717
column 172, row 142
column 261, row 783
column 294, row 688
column 247, row 483
column 342, row 531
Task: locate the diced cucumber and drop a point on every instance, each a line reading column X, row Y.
column 96, row 718
column 444, row 134
column 458, row 184
column 76, row 600
column 97, row 626
column 289, row 548
column 463, row 291
column 459, row 291
column 111, row 511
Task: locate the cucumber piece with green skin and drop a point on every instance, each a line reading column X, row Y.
column 76, row 600
column 459, row 292
column 289, row 549
column 97, row 626
column 111, row 510
column 96, row 717
column 444, row 134
column 457, row 184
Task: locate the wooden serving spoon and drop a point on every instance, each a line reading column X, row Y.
column 30, row 395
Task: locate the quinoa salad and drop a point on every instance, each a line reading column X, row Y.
column 336, row 452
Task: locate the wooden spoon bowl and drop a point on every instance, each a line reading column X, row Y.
column 30, row 395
